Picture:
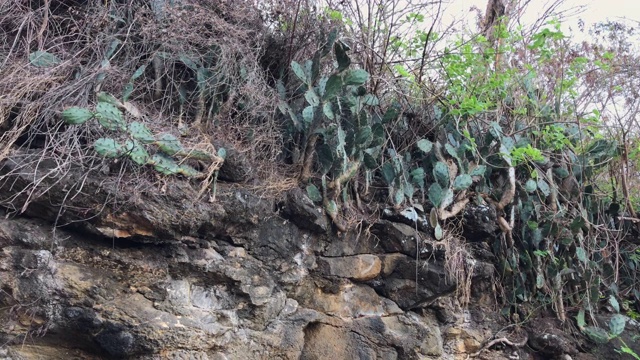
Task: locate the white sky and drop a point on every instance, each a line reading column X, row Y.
column 595, row 11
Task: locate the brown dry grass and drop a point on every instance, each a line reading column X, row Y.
column 223, row 37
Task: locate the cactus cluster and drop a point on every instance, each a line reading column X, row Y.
column 137, row 139
column 337, row 122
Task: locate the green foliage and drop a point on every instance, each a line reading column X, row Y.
column 108, row 147
column 76, row 115
column 625, row 349
column 337, row 110
column 137, row 139
column 43, row 59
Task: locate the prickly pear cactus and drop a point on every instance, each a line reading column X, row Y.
column 135, row 140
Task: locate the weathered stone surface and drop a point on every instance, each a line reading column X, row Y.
column 357, row 267
column 236, row 167
column 353, row 243
column 347, row 301
column 546, row 338
column 179, row 278
column 399, row 280
column 401, row 238
column 158, row 215
column 303, row 212
column 480, row 223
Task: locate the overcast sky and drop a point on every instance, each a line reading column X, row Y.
column 594, row 11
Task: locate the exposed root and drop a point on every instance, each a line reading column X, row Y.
column 502, row 340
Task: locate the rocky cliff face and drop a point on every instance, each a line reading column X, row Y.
column 157, row 274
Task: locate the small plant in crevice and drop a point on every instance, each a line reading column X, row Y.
column 164, row 152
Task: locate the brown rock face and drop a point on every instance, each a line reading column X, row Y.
column 358, row 267
column 165, row 275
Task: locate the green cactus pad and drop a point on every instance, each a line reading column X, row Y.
column 169, row 144
column 462, row 182
column 197, row 155
column 188, row 171
column 108, row 147
column 137, row 152
column 110, row 116
column 164, row 165
column 441, row 174
column 140, row 132
column 76, row 115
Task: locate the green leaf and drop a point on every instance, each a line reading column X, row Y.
column 282, row 90
column 299, row 71
column 331, row 208
column 356, row 77
column 452, row 151
column 424, row 145
column 581, row 254
column 616, row 325
column 340, row 49
column 108, row 147
column 433, row 217
column 364, row 136
column 399, row 196
column 530, row 186
column 409, row 190
column 328, row 111
column 315, row 66
column 447, row 198
column 436, row 194
column 325, row 157
column 417, row 176
column 438, row 233
column 128, row 90
column 322, row 86
column 561, row 172
column 377, row 130
column 391, row 114
column 308, row 70
column 169, row 144
column 140, row 132
column 110, row 116
column 544, row 187
column 188, row 171
column 136, row 152
column 333, row 87
column 388, row 173
column 138, row 72
column 369, row 161
column 286, row 109
column 112, row 48
column 479, row 170
column 164, row 165
column 105, row 97
column 196, row 154
column 441, row 174
column 580, row 319
column 43, row 59
column 371, row 100
column 614, row 303
column 312, row 98
column 188, row 62
column 314, row 193
column 76, row 115
column 307, row 115
column 222, row 152
column 462, row 182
